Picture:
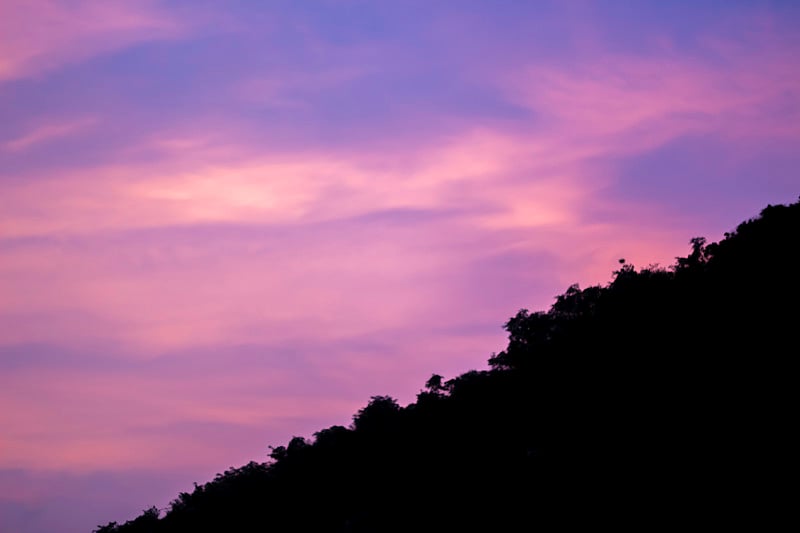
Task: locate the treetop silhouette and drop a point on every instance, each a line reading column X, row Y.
column 663, row 398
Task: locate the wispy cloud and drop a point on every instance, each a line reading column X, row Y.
column 40, row 35
column 48, row 132
column 627, row 105
column 541, row 186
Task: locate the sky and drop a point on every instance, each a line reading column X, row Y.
column 224, row 224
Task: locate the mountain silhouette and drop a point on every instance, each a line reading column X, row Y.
column 664, row 398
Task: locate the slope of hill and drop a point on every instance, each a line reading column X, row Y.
column 661, row 398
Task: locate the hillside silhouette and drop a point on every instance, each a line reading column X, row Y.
column 661, row 399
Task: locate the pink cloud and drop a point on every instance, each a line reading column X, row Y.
column 47, row 132
column 359, row 281
column 84, row 419
column 40, row 35
column 279, row 188
column 626, row 104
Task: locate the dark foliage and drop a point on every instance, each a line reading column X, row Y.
column 661, row 399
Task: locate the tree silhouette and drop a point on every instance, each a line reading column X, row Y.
column 661, row 399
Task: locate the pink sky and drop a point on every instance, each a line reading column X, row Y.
column 221, row 227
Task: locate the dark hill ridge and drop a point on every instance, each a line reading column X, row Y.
column 661, row 399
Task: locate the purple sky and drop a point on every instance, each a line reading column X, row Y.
column 223, row 224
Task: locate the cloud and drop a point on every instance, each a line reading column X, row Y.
column 537, row 187
column 41, row 35
column 130, row 413
column 34, row 500
column 47, row 132
column 173, row 250
column 281, row 188
column 628, row 105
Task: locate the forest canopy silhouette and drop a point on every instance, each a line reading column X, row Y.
column 660, row 398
